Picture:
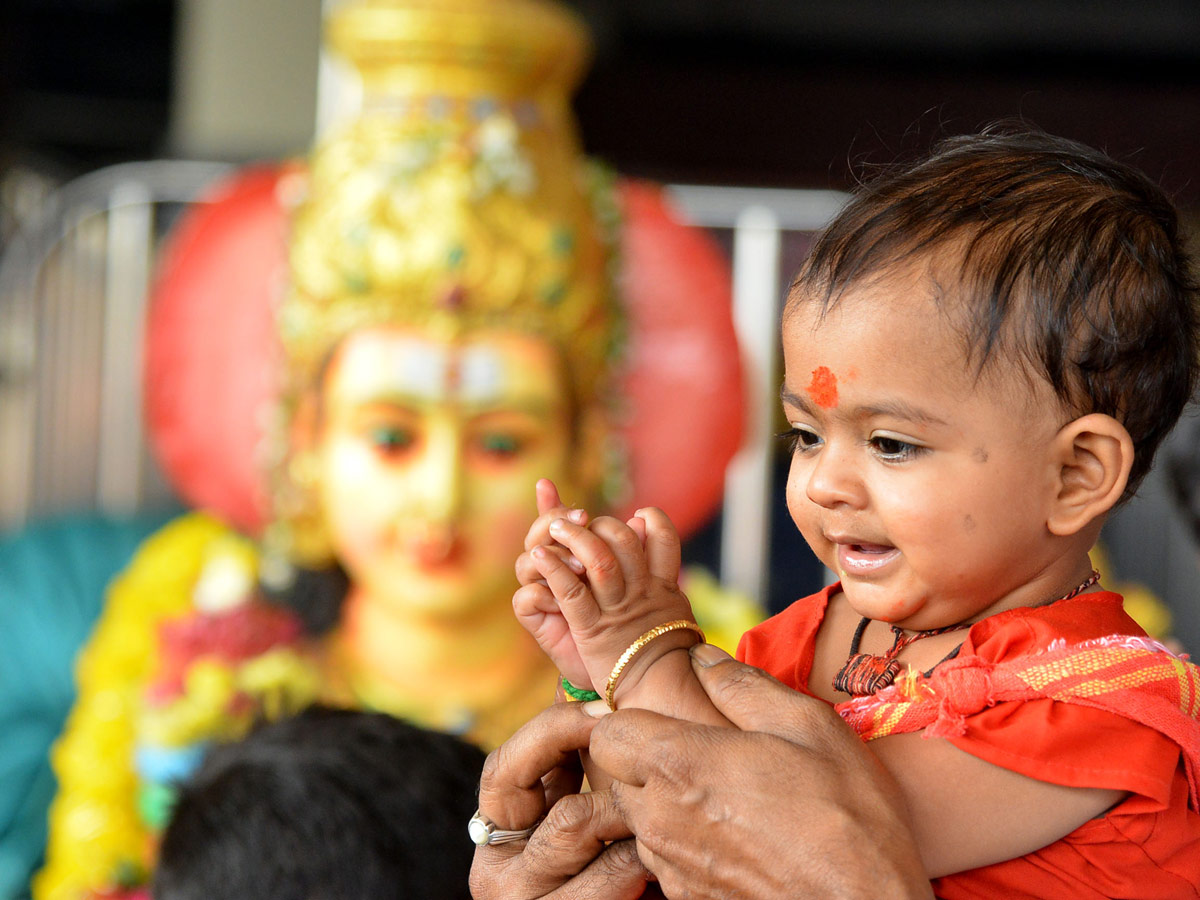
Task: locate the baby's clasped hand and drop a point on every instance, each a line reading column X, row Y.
column 534, row 602
column 592, row 590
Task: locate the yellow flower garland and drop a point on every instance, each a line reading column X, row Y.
column 95, row 829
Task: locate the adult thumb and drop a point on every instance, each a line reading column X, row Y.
column 755, row 701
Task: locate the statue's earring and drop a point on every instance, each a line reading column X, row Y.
column 298, row 535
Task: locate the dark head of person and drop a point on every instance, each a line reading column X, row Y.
column 331, row 804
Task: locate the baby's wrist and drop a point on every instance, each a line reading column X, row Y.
column 634, row 676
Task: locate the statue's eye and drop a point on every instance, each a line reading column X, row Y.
column 390, row 438
column 499, row 444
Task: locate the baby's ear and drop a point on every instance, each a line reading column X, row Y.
column 1094, row 454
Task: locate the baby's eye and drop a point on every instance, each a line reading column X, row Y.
column 390, row 439
column 798, row 439
column 893, row 449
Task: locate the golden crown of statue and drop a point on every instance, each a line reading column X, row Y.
column 458, row 198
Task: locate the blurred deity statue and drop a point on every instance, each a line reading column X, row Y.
column 465, row 305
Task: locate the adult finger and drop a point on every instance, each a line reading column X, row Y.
column 616, row 874
column 633, row 744
column 575, row 831
column 511, row 792
column 754, row 701
column 563, row 780
column 580, row 850
column 749, row 698
column 711, row 820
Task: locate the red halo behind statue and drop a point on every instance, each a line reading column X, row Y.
column 211, row 350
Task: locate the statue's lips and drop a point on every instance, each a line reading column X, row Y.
column 437, row 555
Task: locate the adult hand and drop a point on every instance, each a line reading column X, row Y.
column 536, row 773
column 791, row 805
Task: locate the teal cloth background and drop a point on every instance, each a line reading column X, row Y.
column 52, row 580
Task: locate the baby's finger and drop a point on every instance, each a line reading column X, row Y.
column 534, row 600
column 527, row 571
column 596, row 546
column 548, row 501
column 546, row 492
column 625, row 544
column 539, row 531
column 638, row 525
column 573, row 597
column 663, row 555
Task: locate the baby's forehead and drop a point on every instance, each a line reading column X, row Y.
column 942, row 282
column 925, row 320
column 918, row 287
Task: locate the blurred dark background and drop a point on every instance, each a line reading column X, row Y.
column 756, row 92
column 85, row 82
column 795, row 93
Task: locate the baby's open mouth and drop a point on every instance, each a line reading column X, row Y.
column 865, row 558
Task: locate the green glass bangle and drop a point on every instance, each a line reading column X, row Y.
column 578, row 693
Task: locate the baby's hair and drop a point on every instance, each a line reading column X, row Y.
column 331, row 803
column 1067, row 261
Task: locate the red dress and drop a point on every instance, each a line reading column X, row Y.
column 1146, row 847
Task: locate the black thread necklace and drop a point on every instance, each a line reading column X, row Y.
column 864, row 674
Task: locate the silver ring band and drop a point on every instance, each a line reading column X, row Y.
column 484, row 832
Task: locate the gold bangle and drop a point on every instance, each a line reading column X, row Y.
column 632, row 650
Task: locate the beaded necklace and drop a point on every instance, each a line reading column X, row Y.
column 864, row 674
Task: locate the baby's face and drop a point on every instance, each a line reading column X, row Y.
column 925, row 488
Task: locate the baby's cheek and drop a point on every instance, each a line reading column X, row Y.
column 901, row 608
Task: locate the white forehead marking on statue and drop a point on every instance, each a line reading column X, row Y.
column 427, row 371
column 378, row 368
column 481, row 375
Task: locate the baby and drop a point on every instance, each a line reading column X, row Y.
column 982, row 354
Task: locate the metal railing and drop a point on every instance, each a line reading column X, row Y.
column 73, row 285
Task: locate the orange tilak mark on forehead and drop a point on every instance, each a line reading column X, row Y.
column 823, row 388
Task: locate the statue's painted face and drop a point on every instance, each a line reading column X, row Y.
column 428, row 451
